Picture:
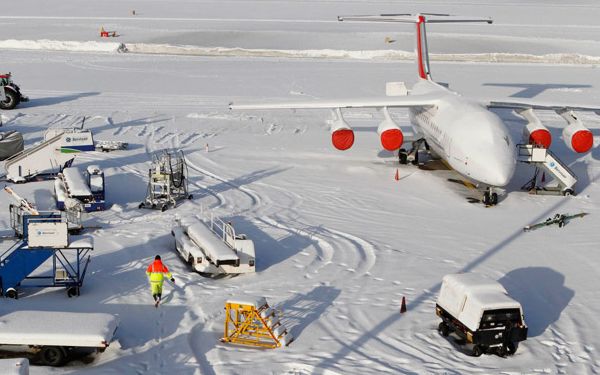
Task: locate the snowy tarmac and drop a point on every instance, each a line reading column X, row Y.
column 339, row 241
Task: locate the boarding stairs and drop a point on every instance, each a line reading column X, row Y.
column 42, row 158
column 546, row 160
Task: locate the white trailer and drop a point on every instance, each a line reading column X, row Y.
column 51, row 335
column 214, row 248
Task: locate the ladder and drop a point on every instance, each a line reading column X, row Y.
column 545, row 159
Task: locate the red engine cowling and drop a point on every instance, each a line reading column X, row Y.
column 389, row 132
column 537, row 134
column 578, row 138
column 342, row 135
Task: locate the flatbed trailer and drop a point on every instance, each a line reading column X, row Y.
column 52, row 335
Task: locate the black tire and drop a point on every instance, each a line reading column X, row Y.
column 190, row 196
column 502, row 351
column 73, row 291
column 402, row 156
column 494, row 199
column 12, row 99
column 141, row 205
column 568, row 192
column 477, row 351
column 487, row 199
column 53, row 355
column 511, row 348
column 11, row 293
column 443, row 329
column 164, row 208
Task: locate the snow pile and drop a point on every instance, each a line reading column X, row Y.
column 60, row 45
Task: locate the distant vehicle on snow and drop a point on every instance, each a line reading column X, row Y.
column 10, row 93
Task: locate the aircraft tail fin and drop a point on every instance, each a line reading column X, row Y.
column 420, row 19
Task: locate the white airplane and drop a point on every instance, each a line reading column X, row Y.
column 463, row 132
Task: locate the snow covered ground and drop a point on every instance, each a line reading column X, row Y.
column 339, row 241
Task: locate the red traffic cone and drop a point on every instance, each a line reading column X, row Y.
column 397, row 176
column 403, row 306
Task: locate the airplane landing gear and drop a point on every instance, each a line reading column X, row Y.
column 490, row 198
column 403, row 155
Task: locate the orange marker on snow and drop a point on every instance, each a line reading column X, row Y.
column 403, row 306
column 397, row 176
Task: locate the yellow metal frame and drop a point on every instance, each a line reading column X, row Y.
column 245, row 326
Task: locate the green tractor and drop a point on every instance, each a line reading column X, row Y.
column 10, row 93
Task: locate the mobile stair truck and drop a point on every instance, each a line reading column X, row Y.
column 213, row 248
column 86, row 187
column 480, row 311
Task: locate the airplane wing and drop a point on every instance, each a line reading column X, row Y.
column 388, row 101
column 523, row 103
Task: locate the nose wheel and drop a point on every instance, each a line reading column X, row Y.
column 490, row 198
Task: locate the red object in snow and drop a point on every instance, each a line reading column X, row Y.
column 397, row 176
column 403, row 306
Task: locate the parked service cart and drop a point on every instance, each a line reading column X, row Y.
column 167, row 180
column 213, row 248
column 54, row 335
column 480, row 311
column 86, row 187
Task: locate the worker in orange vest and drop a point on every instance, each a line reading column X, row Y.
column 156, row 272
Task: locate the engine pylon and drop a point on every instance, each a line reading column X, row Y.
column 535, row 133
column 575, row 135
column 342, row 135
column 389, row 132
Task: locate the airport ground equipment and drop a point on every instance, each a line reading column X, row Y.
column 480, row 311
column 213, row 247
column 86, row 187
column 543, row 159
column 11, row 142
column 167, row 180
column 10, row 93
column 44, row 240
column 53, row 335
column 251, row 321
column 49, row 157
column 107, row 146
column 559, row 219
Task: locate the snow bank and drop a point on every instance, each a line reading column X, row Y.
column 169, row 49
column 60, row 45
column 17, row 366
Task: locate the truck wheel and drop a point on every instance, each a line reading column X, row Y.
column 73, row 291
column 443, row 329
column 511, row 348
column 502, row 351
column 53, row 355
column 12, row 99
column 477, row 351
column 11, row 293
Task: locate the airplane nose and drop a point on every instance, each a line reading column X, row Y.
column 503, row 172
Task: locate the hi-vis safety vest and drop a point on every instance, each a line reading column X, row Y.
column 156, row 272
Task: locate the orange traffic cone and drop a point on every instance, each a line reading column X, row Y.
column 397, row 176
column 403, row 306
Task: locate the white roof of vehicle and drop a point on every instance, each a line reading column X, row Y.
column 214, row 247
column 81, row 242
column 76, row 183
column 57, row 328
column 468, row 295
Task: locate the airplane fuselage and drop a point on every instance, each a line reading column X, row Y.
column 471, row 139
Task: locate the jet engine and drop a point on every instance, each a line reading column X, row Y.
column 576, row 136
column 389, row 133
column 535, row 133
column 342, row 136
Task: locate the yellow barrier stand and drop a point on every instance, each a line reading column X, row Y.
column 250, row 321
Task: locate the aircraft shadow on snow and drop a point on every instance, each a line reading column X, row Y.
column 542, row 294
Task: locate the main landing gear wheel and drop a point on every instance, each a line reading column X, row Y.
column 403, row 156
column 11, row 293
